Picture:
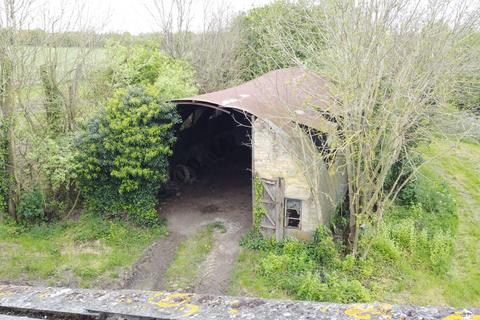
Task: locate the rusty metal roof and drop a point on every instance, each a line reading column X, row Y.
column 281, row 96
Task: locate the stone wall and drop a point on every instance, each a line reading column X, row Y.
column 67, row 303
column 273, row 157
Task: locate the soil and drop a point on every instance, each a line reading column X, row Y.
column 221, row 194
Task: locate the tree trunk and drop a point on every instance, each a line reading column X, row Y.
column 8, row 110
column 53, row 100
column 352, row 235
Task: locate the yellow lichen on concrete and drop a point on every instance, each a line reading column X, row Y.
column 459, row 315
column 179, row 301
column 366, row 312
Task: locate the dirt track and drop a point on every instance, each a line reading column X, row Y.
column 221, row 195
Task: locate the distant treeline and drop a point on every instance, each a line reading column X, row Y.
column 39, row 37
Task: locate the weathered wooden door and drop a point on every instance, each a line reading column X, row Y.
column 273, row 201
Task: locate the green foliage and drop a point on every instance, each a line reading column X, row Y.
column 260, row 49
column 52, row 169
column 313, row 270
column 402, row 170
column 467, row 87
column 259, row 210
column 434, row 196
column 322, row 248
column 254, row 240
column 331, row 288
column 124, row 152
column 55, row 158
column 411, row 237
column 53, row 100
column 423, row 231
column 140, row 136
column 31, row 206
column 161, row 75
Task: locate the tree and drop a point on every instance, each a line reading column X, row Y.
column 390, row 67
column 211, row 50
column 262, row 31
column 174, row 17
column 13, row 15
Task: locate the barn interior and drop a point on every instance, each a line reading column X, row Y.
column 213, row 147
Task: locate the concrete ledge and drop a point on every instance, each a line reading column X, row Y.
column 130, row 304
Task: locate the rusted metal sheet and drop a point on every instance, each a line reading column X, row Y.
column 281, row 96
column 130, row 304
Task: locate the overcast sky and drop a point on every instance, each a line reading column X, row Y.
column 133, row 15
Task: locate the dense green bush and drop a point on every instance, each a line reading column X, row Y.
column 124, row 155
column 124, row 151
column 423, row 230
column 31, row 206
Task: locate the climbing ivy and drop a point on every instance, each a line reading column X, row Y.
column 3, row 170
column 259, row 210
column 53, row 100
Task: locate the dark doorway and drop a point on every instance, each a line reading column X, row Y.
column 212, row 144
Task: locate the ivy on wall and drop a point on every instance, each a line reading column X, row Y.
column 259, row 210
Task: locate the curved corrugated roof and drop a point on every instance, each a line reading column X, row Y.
column 281, row 96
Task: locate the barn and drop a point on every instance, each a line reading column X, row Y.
column 261, row 124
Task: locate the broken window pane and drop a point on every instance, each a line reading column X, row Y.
column 293, row 212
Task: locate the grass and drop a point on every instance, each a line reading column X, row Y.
column 459, row 165
column 246, row 282
column 86, row 252
column 190, row 254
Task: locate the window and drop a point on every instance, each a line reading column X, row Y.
column 293, row 213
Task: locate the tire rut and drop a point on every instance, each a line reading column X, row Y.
column 148, row 272
column 216, row 270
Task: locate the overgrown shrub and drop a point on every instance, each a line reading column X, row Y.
column 322, row 248
column 425, row 237
column 31, row 206
column 56, row 171
column 254, row 240
column 124, row 152
column 124, row 155
column 312, row 270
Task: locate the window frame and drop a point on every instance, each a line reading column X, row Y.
column 286, row 217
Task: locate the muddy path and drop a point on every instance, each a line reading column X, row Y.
column 223, row 194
